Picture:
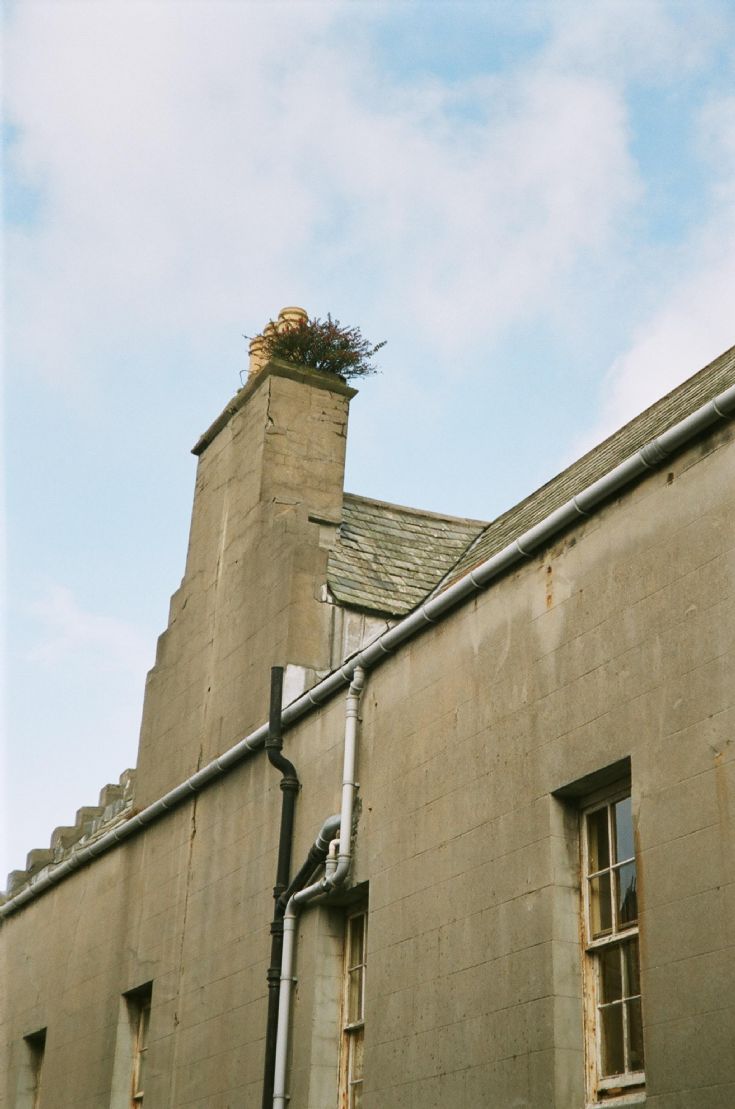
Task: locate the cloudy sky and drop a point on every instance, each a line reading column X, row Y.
column 533, row 203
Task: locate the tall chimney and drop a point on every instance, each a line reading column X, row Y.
column 267, row 503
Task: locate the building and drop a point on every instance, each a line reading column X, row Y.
column 512, row 870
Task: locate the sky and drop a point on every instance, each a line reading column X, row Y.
column 532, row 203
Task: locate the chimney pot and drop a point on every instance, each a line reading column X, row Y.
column 287, row 317
column 257, row 356
column 291, row 315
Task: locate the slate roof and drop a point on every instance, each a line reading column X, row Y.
column 669, row 410
column 388, row 557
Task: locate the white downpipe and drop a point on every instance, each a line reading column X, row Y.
column 334, row 877
column 349, row 785
column 285, row 989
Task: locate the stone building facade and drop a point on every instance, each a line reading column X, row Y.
column 524, row 733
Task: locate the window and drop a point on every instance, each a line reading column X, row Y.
column 139, row 1005
column 353, row 1009
column 29, row 1080
column 614, row 1021
column 130, row 1070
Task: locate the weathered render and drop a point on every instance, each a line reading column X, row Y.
column 606, row 654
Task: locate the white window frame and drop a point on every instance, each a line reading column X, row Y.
column 601, row 1089
column 353, row 1029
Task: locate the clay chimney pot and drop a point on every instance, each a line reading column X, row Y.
column 287, row 317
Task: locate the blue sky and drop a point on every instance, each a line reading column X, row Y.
column 534, row 204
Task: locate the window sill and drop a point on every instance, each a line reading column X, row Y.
column 622, row 1101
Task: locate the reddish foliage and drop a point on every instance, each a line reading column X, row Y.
column 323, row 345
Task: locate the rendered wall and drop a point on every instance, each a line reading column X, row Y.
column 616, row 643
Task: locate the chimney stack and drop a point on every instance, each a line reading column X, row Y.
column 267, row 504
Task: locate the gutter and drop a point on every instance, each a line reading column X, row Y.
column 648, row 458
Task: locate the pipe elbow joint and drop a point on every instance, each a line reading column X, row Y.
column 338, row 877
column 358, row 680
column 326, row 834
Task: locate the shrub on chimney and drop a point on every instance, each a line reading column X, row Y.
column 322, row 345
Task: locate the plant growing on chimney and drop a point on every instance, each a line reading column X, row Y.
column 321, row 345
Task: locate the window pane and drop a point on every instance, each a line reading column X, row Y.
column 600, row 906
column 623, row 821
column 635, row 1034
column 351, row 1065
column 611, row 1034
column 357, row 929
column 611, row 980
column 145, row 1016
column 597, row 838
column 354, row 1005
column 632, row 968
column 626, row 896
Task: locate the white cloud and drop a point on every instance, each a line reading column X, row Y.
column 694, row 325
column 192, row 159
column 69, row 635
column 644, row 41
column 74, row 714
column 694, row 320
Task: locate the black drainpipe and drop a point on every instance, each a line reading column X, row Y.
column 290, row 787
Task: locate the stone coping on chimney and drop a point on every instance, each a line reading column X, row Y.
column 274, row 368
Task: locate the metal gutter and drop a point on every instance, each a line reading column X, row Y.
column 648, row 458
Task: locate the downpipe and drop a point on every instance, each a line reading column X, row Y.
column 290, row 786
column 336, row 873
column 349, row 785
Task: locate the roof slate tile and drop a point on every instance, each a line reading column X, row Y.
column 388, row 557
